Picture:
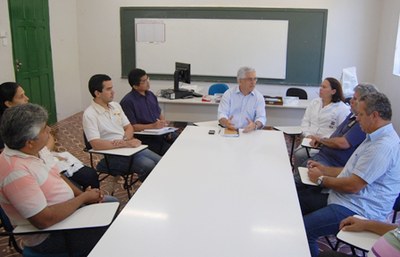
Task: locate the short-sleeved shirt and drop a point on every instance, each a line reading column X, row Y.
column 349, row 129
column 323, row 121
column 27, row 186
column 377, row 162
column 108, row 124
column 387, row 245
column 242, row 107
column 141, row 109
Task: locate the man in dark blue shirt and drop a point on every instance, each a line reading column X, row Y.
column 142, row 109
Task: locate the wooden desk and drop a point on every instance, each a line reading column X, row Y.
column 213, row 196
column 195, row 110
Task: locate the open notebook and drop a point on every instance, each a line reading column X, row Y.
column 303, row 171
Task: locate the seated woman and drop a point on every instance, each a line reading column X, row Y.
column 323, row 115
column 12, row 94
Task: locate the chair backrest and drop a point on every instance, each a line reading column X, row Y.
column 294, row 91
column 6, row 224
column 396, row 208
column 217, row 88
column 88, row 146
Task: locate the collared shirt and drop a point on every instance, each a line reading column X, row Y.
column 323, row 121
column 377, row 162
column 141, row 109
column 27, row 186
column 251, row 106
column 349, row 129
column 108, row 124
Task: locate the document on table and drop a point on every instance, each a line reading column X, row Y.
column 306, row 142
column 230, row 133
column 160, row 131
column 303, row 171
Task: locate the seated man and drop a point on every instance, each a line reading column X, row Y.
column 142, row 109
column 337, row 149
column 32, row 191
column 243, row 107
column 106, row 127
column 369, row 183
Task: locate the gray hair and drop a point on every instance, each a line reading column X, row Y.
column 378, row 102
column 364, row 89
column 241, row 74
column 22, row 123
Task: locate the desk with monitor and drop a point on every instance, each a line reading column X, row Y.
column 195, row 110
column 212, row 195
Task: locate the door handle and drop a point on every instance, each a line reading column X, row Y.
column 18, row 65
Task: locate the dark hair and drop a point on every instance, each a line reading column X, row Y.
column 96, row 83
column 335, row 84
column 378, row 102
column 7, row 93
column 134, row 76
column 22, row 123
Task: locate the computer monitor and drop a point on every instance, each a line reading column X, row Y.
column 181, row 74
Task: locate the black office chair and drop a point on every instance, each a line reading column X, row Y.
column 130, row 178
column 294, row 91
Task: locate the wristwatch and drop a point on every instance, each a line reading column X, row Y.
column 320, row 180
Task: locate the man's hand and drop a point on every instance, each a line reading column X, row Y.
column 228, row 124
column 314, row 173
column 353, row 224
column 160, row 124
column 315, row 141
column 92, row 195
column 251, row 126
column 133, row 142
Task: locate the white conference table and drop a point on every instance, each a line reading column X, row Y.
column 195, row 110
column 213, row 196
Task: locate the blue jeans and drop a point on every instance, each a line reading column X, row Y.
column 143, row 163
column 324, row 222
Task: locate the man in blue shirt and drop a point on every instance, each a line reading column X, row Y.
column 369, row 183
column 243, row 107
column 142, row 109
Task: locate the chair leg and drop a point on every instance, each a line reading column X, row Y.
column 12, row 241
column 333, row 247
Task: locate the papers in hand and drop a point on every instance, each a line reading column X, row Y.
column 304, row 176
column 160, row 131
column 230, row 133
column 306, row 142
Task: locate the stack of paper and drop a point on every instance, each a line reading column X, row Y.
column 160, row 131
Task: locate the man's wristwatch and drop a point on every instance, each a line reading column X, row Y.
column 320, row 180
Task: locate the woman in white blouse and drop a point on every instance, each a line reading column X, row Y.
column 324, row 114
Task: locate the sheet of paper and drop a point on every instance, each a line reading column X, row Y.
column 303, row 171
column 230, row 133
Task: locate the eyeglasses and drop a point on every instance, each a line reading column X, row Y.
column 250, row 79
column 144, row 80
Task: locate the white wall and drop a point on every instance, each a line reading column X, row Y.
column 387, row 82
column 86, row 40
column 6, row 58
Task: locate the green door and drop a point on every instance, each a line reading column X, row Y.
column 32, row 51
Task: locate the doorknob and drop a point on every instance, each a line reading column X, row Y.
column 18, row 64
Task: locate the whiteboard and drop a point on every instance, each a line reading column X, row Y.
column 216, row 47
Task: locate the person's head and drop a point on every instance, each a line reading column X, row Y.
column 11, row 94
column 139, row 80
column 24, row 127
column 101, row 88
column 374, row 110
column 360, row 90
column 247, row 79
column 331, row 89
